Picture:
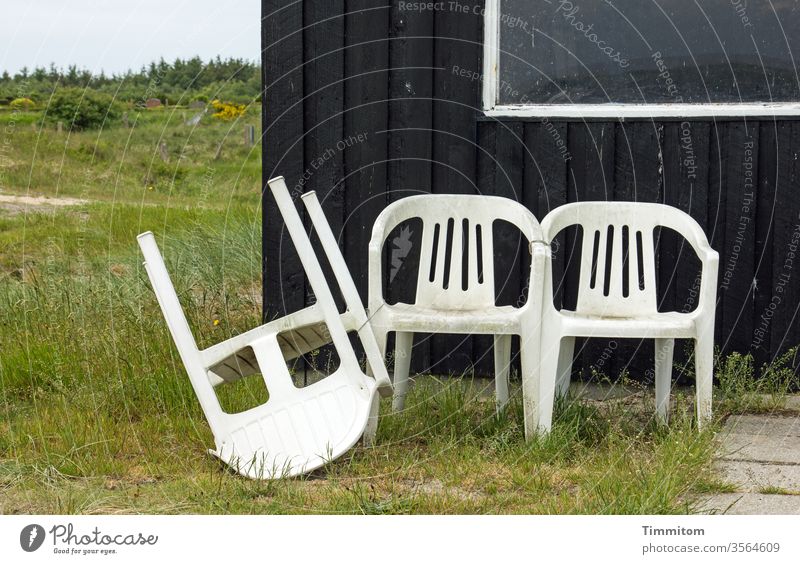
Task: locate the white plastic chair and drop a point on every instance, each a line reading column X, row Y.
column 446, row 305
column 298, row 429
column 607, row 307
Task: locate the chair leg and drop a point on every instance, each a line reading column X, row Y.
column 566, row 353
column 380, row 337
column 538, row 385
column 402, row 367
column 368, row 438
column 663, row 354
column 704, row 375
column 502, row 360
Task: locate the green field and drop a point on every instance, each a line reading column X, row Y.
column 96, row 412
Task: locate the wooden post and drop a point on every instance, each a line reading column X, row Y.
column 162, row 149
column 249, row 135
column 60, row 126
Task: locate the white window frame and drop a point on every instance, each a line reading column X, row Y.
column 491, row 108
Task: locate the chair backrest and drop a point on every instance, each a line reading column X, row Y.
column 456, row 266
column 618, row 268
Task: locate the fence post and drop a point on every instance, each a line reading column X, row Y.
column 249, row 135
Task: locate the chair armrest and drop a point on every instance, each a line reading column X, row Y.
column 374, row 274
column 707, row 300
column 540, row 257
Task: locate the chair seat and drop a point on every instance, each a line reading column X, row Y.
column 499, row 320
column 280, row 439
column 667, row 324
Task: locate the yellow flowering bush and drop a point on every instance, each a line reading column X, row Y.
column 22, row 104
column 227, row 111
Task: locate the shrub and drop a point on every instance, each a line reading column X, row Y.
column 227, row 111
column 82, row 109
column 22, row 104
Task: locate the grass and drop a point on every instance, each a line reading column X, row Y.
column 125, row 164
column 97, row 415
column 774, row 490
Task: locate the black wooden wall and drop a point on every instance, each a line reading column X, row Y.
column 366, row 103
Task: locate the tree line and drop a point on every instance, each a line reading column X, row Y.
column 181, row 81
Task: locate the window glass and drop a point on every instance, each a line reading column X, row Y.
column 648, row 51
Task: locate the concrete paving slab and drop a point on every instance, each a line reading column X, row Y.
column 763, row 448
column 750, row 504
column 758, row 453
column 757, row 476
column 762, row 438
column 763, row 424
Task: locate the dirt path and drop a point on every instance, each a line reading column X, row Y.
column 20, row 204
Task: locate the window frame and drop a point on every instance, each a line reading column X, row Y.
column 491, row 108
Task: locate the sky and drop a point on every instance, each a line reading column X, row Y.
column 117, row 35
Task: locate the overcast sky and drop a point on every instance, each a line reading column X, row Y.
column 115, row 35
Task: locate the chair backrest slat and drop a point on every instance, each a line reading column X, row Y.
column 618, row 262
column 456, row 268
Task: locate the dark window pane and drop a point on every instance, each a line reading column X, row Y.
column 649, row 51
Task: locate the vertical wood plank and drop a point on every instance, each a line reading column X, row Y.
column 715, row 212
column 486, row 177
column 734, row 180
column 366, row 122
column 786, row 248
column 637, row 177
column 323, row 162
column 456, row 45
column 282, row 58
column 546, row 157
column 769, row 161
column 410, row 146
column 323, row 49
column 511, row 250
column 591, row 178
column 685, row 185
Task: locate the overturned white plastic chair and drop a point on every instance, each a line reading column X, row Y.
column 617, row 294
column 463, row 300
column 298, row 429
